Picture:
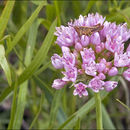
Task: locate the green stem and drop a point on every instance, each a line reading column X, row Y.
column 98, row 111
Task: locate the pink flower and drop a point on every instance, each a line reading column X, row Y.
column 84, row 40
column 101, row 76
column 87, row 54
column 58, row 83
column 101, row 66
column 96, row 84
column 122, row 60
column 57, row 61
column 90, row 68
column 126, row 74
column 92, row 58
column 70, row 74
column 80, row 89
column 113, row 71
column 110, row 85
column 68, row 58
column 99, row 47
column 78, row 46
column 95, row 39
column 66, row 36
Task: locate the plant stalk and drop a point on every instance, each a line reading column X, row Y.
column 98, row 111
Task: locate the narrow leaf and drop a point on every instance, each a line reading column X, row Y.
column 57, row 12
column 43, row 68
column 54, row 107
column 123, row 104
column 77, row 126
column 107, row 123
column 40, row 56
column 37, row 61
column 39, row 110
column 81, row 112
column 13, row 108
column 20, row 106
column 24, row 87
column 25, row 27
column 5, row 16
column 89, row 6
column 4, row 64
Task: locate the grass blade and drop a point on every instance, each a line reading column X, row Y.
column 40, row 56
column 77, row 9
column 123, row 104
column 20, row 106
column 89, row 6
column 4, row 64
column 43, row 68
column 107, row 123
column 13, row 108
column 37, row 61
column 81, row 112
column 5, row 16
column 54, row 108
column 24, row 87
column 57, row 12
column 66, row 122
column 43, row 86
column 36, row 117
column 77, row 126
column 25, row 27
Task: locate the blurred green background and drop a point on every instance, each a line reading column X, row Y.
column 26, row 33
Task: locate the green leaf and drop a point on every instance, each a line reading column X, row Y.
column 49, row 96
column 77, row 9
column 54, row 107
column 57, row 12
column 39, row 110
column 20, row 106
column 4, row 64
column 43, row 68
column 24, row 87
column 37, row 2
column 13, row 108
column 40, row 56
column 25, row 27
column 50, row 16
column 46, row 23
column 4, row 38
column 126, row 15
column 107, row 123
column 5, row 16
column 128, row 108
column 45, row 88
column 66, row 122
column 37, row 61
column 77, row 126
column 70, row 122
column 89, row 6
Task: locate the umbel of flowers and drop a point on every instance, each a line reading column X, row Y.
column 89, row 61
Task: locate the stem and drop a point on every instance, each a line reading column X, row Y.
column 98, row 111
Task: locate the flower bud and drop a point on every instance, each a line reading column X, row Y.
column 57, row 61
column 78, row 46
column 113, row 71
column 58, row 83
column 101, row 76
column 110, row 85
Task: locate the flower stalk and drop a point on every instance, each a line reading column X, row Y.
column 98, row 111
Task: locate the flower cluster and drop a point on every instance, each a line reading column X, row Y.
column 88, row 61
